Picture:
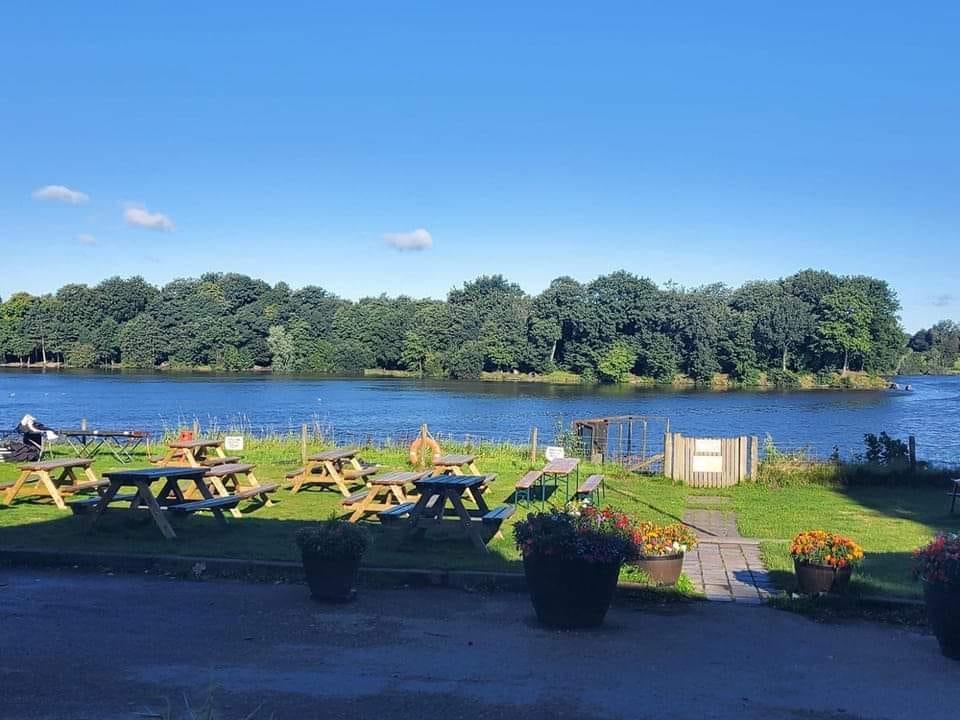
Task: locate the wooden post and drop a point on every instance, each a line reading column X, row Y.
column 83, row 423
column 668, row 455
column 303, row 444
column 754, row 457
column 533, row 444
column 196, row 429
column 423, row 445
column 912, row 442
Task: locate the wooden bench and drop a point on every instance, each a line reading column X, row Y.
column 225, row 469
column 592, row 486
column 353, row 474
column 214, row 461
column 5, row 485
column 498, row 515
column 525, row 484
column 214, row 503
column 395, row 513
column 355, row 498
column 55, row 486
column 78, row 507
column 294, row 473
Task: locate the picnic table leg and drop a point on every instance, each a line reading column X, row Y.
column 156, row 512
column 12, row 492
column 201, row 484
column 466, row 521
column 362, row 510
column 51, row 488
column 423, row 509
column 223, row 492
column 472, row 467
column 90, row 474
column 477, row 496
column 104, row 502
column 253, row 482
column 337, row 478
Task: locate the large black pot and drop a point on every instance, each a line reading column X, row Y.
column 663, row 570
column 813, row 579
column 943, row 613
column 570, row 593
column 330, row 580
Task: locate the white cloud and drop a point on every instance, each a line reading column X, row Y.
column 60, row 193
column 419, row 239
column 139, row 216
column 86, row 239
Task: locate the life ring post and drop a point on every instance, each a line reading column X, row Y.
column 423, row 441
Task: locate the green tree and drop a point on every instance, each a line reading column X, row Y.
column 141, row 342
column 847, row 317
column 616, row 362
column 282, row 349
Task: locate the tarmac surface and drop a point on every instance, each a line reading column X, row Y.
column 98, row 647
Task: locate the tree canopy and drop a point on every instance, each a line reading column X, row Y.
column 610, row 327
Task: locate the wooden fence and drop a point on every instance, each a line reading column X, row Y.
column 710, row 462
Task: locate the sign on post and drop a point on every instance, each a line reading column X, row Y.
column 553, row 452
column 233, row 443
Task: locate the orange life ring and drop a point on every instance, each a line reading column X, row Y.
column 415, row 449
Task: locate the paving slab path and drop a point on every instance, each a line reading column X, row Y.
column 725, row 566
column 95, row 647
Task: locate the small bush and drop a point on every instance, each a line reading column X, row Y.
column 333, row 539
column 783, row 379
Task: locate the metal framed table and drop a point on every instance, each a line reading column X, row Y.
column 120, row 443
column 560, row 468
column 170, row 494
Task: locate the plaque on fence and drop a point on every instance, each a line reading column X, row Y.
column 553, row 452
column 234, row 443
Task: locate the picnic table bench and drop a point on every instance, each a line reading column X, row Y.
column 170, row 498
column 333, row 468
column 591, row 488
column 383, row 493
column 238, row 480
column 429, row 511
column 120, row 443
column 193, row 453
column 455, row 465
column 48, row 483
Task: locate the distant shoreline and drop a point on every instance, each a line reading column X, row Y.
column 720, row 383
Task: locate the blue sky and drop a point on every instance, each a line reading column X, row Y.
column 708, row 142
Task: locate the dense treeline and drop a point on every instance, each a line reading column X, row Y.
column 606, row 329
column 934, row 351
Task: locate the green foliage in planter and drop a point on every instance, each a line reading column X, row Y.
column 333, row 539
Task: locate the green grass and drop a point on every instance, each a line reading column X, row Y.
column 266, row 533
column 888, row 521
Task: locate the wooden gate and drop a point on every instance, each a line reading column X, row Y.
column 710, row 462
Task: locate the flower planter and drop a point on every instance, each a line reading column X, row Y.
column 330, row 580
column 570, row 593
column 943, row 613
column 813, row 579
column 662, row 570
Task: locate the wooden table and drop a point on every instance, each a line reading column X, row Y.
column 455, row 465
column 170, row 495
column 438, row 490
column 66, row 482
column 121, row 443
column 562, row 467
column 193, row 453
column 237, row 479
column 332, row 468
column 385, row 491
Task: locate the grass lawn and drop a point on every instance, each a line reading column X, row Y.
column 266, row 533
column 889, row 522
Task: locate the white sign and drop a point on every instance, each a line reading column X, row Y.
column 707, row 463
column 553, row 452
column 233, row 442
column 706, row 446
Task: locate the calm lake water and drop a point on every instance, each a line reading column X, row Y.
column 356, row 408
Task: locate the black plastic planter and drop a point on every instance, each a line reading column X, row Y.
column 943, row 613
column 570, row 593
column 330, row 580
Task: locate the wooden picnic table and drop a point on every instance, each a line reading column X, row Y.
column 384, row 492
column 120, row 443
column 236, row 480
column 170, row 498
column 435, row 492
column 561, row 467
column 194, row 453
column 455, row 465
column 333, row 468
column 67, row 482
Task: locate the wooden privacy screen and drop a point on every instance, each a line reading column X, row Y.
column 710, row 462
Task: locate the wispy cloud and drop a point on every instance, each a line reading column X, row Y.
column 60, row 193
column 942, row 300
column 419, row 239
column 138, row 216
column 86, row 239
